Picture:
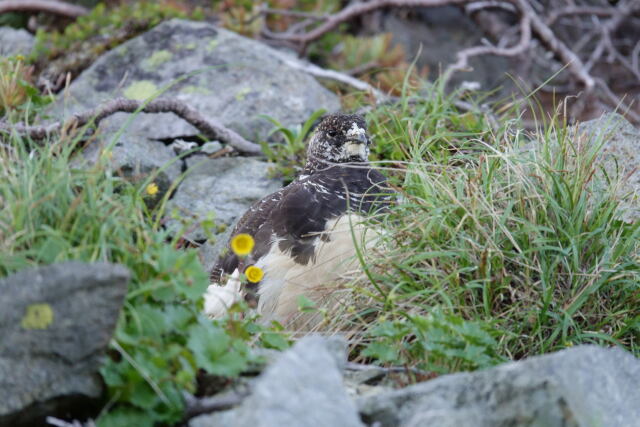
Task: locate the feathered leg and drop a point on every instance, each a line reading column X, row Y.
column 218, row 299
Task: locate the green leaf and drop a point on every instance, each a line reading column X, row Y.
column 382, row 351
column 152, row 320
column 195, row 280
column 228, row 364
column 125, row 416
column 143, row 396
column 178, row 317
column 207, row 342
column 112, row 373
column 305, row 305
column 274, row 340
column 167, row 258
column 388, row 329
column 215, row 351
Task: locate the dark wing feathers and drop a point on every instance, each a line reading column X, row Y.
column 299, row 212
column 255, row 222
column 302, row 215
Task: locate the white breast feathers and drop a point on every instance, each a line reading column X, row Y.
column 285, row 281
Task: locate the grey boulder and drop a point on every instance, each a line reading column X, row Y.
column 55, row 324
column 619, row 157
column 137, row 159
column 586, row 386
column 15, row 41
column 302, row 388
column 221, row 190
column 215, row 71
column 218, row 73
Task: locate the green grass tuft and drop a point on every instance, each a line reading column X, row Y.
column 500, row 233
column 52, row 211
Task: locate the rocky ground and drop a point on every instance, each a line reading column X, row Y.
column 313, row 385
column 49, row 364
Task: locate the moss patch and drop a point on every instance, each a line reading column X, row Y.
column 212, row 45
column 242, row 93
column 37, row 316
column 140, row 90
column 189, row 46
column 157, row 58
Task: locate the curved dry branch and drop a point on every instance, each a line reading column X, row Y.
column 527, row 15
column 48, row 6
column 352, row 11
column 464, row 55
column 574, row 64
column 323, row 73
column 210, row 128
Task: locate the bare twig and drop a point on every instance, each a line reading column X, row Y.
column 210, row 128
column 528, row 15
column 635, row 56
column 337, row 76
column 578, row 10
column 619, row 15
column 625, row 62
column 566, row 55
column 362, row 68
column 293, row 13
column 350, row 12
column 478, row 5
column 464, row 55
column 617, row 102
column 49, row 6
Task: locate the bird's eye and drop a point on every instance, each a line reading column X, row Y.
column 332, row 133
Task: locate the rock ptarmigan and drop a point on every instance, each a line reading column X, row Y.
column 305, row 233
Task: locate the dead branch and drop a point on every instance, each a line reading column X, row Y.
column 566, row 55
column 528, row 15
column 464, row 55
column 635, row 57
column 478, row 5
column 350, row 12
column 48, row 6
column 293, row 13
column 210, row 128
column 337, row 76
column 546, row 35
column 600, row 42
column 619, row 14
column 616, row 102
column 578, row 10
column 529, row 21
column 362, row 68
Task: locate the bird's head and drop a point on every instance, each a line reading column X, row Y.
column 340, row 138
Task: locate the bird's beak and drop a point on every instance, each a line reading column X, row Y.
column 357, row 146
column 359, row 138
